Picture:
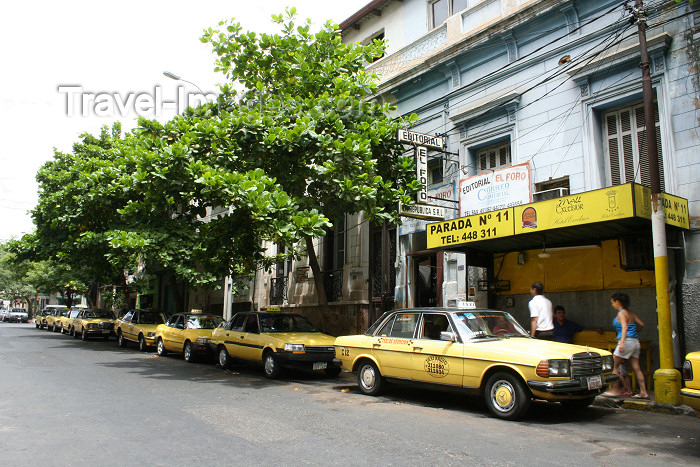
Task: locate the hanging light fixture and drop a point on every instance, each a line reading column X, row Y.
column 544, row 254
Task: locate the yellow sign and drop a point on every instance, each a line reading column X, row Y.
column 585, row 208
column 484, row 226
column 675, row 208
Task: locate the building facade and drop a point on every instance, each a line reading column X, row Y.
column 547, row 93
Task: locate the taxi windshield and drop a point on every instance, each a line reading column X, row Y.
column 478, row 324
column 98, row 315
column 286, row 323
column 203, row 322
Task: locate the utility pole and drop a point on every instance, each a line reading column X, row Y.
column 667, row 380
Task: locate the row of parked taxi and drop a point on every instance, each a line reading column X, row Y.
column 483, row 352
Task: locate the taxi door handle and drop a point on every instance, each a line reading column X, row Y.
column 376, row 344
column 417, row 348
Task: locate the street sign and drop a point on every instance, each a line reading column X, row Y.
column 423, row 211
column 421, row 139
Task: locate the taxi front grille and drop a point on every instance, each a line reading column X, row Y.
column 105, row 325
column 320, row 348
column 586, row 364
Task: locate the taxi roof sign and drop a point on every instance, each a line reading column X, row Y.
column 196, row 311
column 466, row 305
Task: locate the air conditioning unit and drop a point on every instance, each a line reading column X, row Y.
column 550, row 194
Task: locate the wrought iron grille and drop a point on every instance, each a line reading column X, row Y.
column 278, row 290
column 333, row 284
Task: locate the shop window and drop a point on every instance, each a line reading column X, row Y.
column 493, row 157
column 626, row 145
column 440, row 10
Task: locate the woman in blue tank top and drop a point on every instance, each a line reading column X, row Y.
column 627, row 325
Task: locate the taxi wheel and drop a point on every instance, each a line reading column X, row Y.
column 75, row 334
column 223, row 360
column 36, row 324
column 83, row 335
column 188, row 353
column 142, row 343
column 270, row 365
column 369, row 379
column 120, row 339
column 506, row 397
column 160, row 348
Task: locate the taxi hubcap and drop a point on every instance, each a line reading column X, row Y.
column 368, row 377
column 503, row 396
column 269, row 365
column 222, row 358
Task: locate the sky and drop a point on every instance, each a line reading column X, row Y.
column 74, row 66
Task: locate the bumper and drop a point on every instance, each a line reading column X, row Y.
column 307, row 361
column 99, row 332
column 691, row 398
column 570, row 386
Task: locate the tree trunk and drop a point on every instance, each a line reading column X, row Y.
column 316, row 271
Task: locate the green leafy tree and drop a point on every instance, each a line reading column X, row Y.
column 307, row 118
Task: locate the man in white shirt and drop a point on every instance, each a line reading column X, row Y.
column 541, row 314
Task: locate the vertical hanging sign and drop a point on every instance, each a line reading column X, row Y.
column 422, row 173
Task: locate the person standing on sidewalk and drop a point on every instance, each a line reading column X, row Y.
column 541, row 322
column 627, row 324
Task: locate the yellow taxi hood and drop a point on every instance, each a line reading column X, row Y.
column 97, row 320
column 306, row 338
column 536, row 349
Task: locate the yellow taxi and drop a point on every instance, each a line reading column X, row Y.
column 485, row 352
column 65, row 322
column 52, row 319
column 690, row 394
column 277, row 340
column 138, row 326
column 91, row 322
column 189, row 333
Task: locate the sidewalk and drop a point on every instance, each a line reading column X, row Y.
column 649, row 405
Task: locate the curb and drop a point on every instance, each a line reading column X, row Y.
column 644, row 406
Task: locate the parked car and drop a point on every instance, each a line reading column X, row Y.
column 91, row 322
column 16, row 315
column 52, row 318
column 65, row 321
column 690, row 394
column 485, row 352
column 189, row 333
column 277, row 340
column 138, row 326
column 40, row 318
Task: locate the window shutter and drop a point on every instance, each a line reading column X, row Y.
column 613, row 148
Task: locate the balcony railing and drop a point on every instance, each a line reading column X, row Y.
column 333, row 284
column 278, row 290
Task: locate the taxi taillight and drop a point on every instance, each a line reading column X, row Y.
column 543, row 369
column 687, row 371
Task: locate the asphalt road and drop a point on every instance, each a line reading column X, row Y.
column 68, row 402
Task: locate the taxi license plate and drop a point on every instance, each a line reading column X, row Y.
column 320, row 365
column 594, row 382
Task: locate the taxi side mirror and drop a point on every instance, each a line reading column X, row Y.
column 447, row 336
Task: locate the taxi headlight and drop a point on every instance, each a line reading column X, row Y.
column 294, row 348
column 92, row 326
column 547, row 368
column 150, row 334
column 608, row 363
column 203, row 340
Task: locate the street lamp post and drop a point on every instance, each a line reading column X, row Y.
column 175, row 77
